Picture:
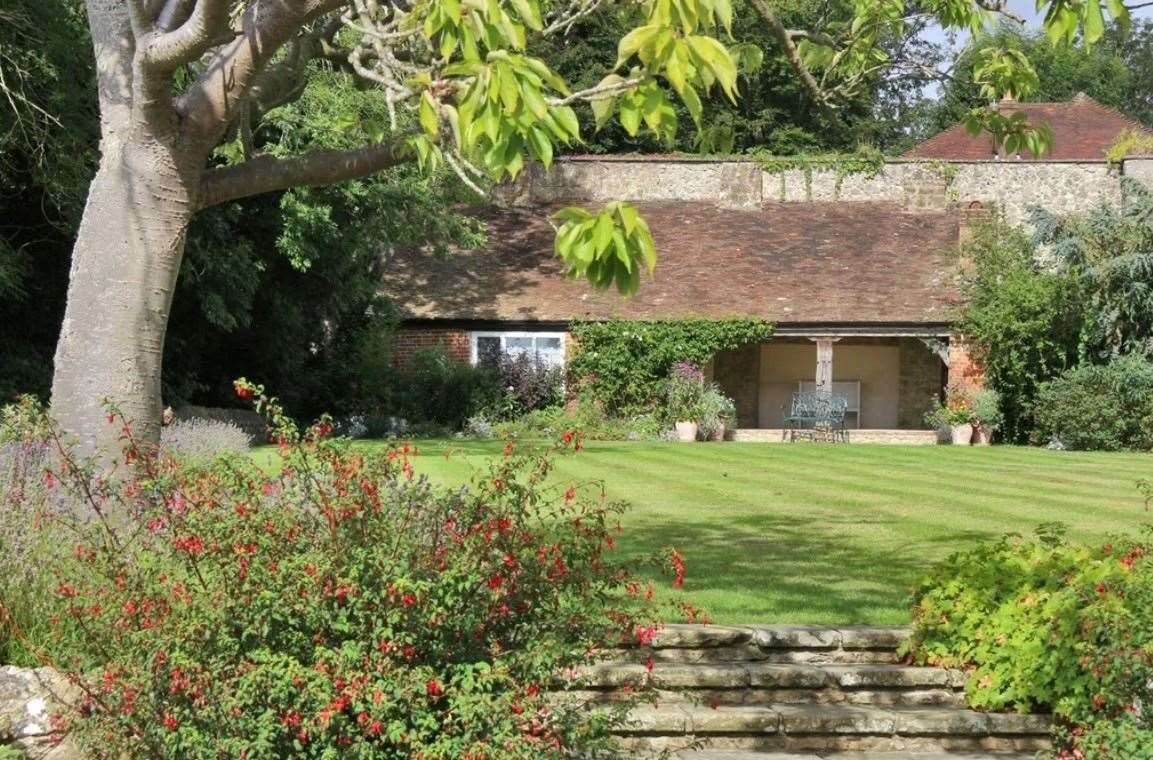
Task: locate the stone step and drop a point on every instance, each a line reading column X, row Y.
column 771, row 643
column 797, row 727
column 766, row 682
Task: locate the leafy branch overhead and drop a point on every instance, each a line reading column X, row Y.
column 464, row 89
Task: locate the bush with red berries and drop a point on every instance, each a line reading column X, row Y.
column 336, row 604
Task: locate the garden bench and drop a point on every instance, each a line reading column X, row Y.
column 817, row 416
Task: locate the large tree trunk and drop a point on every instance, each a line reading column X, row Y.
column 124, row 268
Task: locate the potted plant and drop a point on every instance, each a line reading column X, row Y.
column 685, row 392
column 987, row 415
column 956, row 414
column 717, row 413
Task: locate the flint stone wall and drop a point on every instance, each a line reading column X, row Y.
column 1013, row 187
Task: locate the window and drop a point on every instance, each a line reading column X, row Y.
column 487, row 346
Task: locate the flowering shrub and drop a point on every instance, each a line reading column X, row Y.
column 686, row 389
column 203, row 439
column 957, row 410
column 339, row 606
column 1049, row 624
column 530, row 384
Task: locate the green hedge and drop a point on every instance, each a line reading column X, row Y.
column 624, row 364
column 1099, row 407
column 1049, row 624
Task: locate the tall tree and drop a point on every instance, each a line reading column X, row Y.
column 177, row 79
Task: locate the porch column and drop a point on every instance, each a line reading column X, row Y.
column 824, row 378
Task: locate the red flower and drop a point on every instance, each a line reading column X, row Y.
column 170, row 722
column 532, row 690
column 678, row 563
column 242, row 390
column 570, row 494
column 433, row 688
column 508, row 448
column 408, row 600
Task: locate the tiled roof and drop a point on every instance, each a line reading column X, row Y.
column 1083, row 129
column 786, row 262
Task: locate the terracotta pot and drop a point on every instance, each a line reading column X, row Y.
column 719, row 433
column 982, row 436
column 686, row 431
column 962, row 434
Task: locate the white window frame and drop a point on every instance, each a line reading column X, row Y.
column 473, row 342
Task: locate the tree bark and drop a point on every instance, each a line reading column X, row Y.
column 124, row 268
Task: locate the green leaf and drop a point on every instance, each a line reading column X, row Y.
column 603, row 232
column 529, row 13
column 630, row 116
column 632, row 42
column 1094, row 22
column 541, row 146
column 428, row 118
column 567, row 119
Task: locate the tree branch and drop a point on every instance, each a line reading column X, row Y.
column 205, row 27
column 208, row 107
column 265, row 174
column 794, row 58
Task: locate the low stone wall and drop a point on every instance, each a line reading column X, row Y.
column 1012, row 186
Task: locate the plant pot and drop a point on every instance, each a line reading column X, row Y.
column 962, row 434
column 982, row 436
column 719, row 433
column 686, row 431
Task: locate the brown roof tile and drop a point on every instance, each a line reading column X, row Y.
column 1083, row 129
column 786, row 262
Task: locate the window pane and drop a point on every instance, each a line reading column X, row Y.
column 548, row 344
column 487, row 350
column 520, row 343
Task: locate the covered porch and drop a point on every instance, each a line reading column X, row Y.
column 889, row 378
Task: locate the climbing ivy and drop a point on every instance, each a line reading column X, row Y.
column 624, row 364
column 867, row 162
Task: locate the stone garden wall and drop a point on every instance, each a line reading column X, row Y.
column 1061, row 186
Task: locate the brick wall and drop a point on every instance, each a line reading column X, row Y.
column 410, row 339
column 965, row 372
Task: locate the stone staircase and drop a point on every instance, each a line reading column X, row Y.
column 731, row 693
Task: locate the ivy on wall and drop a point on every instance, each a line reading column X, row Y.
column 866, row 162
column 624, row 364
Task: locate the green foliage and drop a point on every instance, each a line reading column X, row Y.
column 295, row 302
column 48, row 134
column 1048, row 624
column 1110, row 252
column 334, row 605
column 987, row 409
column 1099, row 407
column 686, row 389
column 611, row 246
column 716, row 411
column 438, row 388
column 957, row 410
column 1024, row 321
column 586, row 415
column 624, row 364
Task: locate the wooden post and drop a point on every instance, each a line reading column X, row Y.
column 824, row 379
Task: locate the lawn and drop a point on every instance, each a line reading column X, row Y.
column 825, row 533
